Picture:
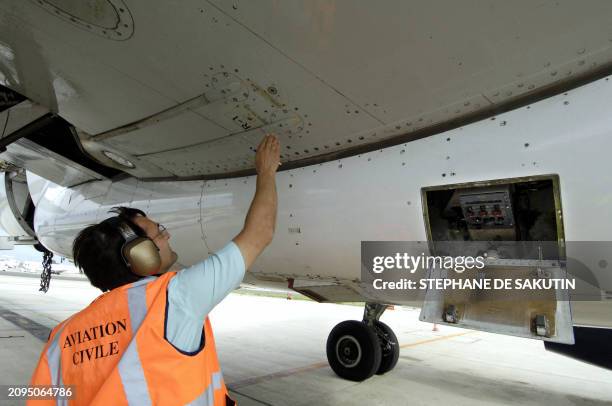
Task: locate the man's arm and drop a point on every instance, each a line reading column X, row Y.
column 194, row 291
column 260, row 221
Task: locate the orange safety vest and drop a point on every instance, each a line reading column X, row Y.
column 114, row 352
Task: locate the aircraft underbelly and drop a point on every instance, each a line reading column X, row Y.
column 326, row 210
column 328, row 77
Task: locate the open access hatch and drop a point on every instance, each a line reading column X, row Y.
column 515, row 226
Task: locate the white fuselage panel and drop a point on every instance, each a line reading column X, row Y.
column 326, row 210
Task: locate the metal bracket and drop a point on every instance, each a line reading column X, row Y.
column 542, row 328
column 450, row 314
column 10, row 198
column 372, row 312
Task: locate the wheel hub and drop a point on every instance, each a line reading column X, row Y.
column 348, row 351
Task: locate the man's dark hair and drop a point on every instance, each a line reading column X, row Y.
column 97, row 251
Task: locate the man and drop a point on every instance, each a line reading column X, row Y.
column 148, row 340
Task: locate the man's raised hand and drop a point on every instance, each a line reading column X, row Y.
column 267, row 158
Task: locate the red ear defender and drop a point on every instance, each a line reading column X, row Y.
column 140, row 254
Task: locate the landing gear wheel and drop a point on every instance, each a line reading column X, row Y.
column 389, row 346
column 353, row 350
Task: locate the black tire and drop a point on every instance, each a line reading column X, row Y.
column 389, row 347
column 353, row 350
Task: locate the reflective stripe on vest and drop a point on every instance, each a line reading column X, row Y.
column 130, row 367
column 207, row 398
column 55, row 366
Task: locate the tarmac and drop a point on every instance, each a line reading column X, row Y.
column 272, row 352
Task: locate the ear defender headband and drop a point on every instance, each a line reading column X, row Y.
column 140, row 254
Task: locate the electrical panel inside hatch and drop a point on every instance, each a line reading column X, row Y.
column 516, row 226
column 509, row 210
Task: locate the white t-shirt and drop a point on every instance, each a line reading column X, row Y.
column 194, row 291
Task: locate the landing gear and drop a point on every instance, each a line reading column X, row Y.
column 353, row 350
column 389, row 346
column 356, row 350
